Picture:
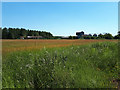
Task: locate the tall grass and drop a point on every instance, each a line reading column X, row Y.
column 85, row 66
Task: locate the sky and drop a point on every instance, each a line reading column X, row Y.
column 60, row 0
column 62, row 18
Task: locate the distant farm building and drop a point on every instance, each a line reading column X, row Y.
column 31, row 37
column 34, row 37
column 64, row 37
column 61, row 37
column 79, row 34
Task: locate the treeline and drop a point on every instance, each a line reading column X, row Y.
column 16, row 33
column 99, row 36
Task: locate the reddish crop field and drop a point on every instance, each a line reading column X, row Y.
column 31, row 44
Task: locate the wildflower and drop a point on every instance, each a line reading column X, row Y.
column 110, row 81
column 43, row 60
column 20, row 67
column 30, row 54
column 38, row 64
column 18, row 81
column 98, row 69
column 29, row 66
column 59, row 63
column 46, row 51
column 83, row 50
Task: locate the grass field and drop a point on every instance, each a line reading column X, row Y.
column 60, row 63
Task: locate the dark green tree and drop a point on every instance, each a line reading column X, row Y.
column 70, row 37
column 16, row 33
column 100, row 36
column 108, row 36
column 95, row 35
column 4, row 33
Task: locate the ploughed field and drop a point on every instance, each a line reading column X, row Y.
column 60, row 64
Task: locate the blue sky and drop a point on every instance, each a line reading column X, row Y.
column 62, row 18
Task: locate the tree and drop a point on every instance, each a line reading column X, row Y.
column 119, row 33
column 116, row 37
column 100, row 36
column 90, row 35
column 95, row 35
column 74, row 37
column 15, row 33
column 108, row 36
column 70, row 37
column 11, row 33
column 23, row 32
column 36, row 33
column 4, row 33
column 87, row 37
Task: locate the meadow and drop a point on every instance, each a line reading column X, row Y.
column 60, row 63
column 10, row 45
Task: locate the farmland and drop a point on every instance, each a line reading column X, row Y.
column 60, row 63
column 18, row 45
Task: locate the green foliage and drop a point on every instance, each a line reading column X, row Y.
column 70, row 37
column 87, row 37
column 85, row 66
column 4, row 33
column 15, row 33
column 100, row 36
column 117, row 36
column 108, row 36
column 119, row 33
